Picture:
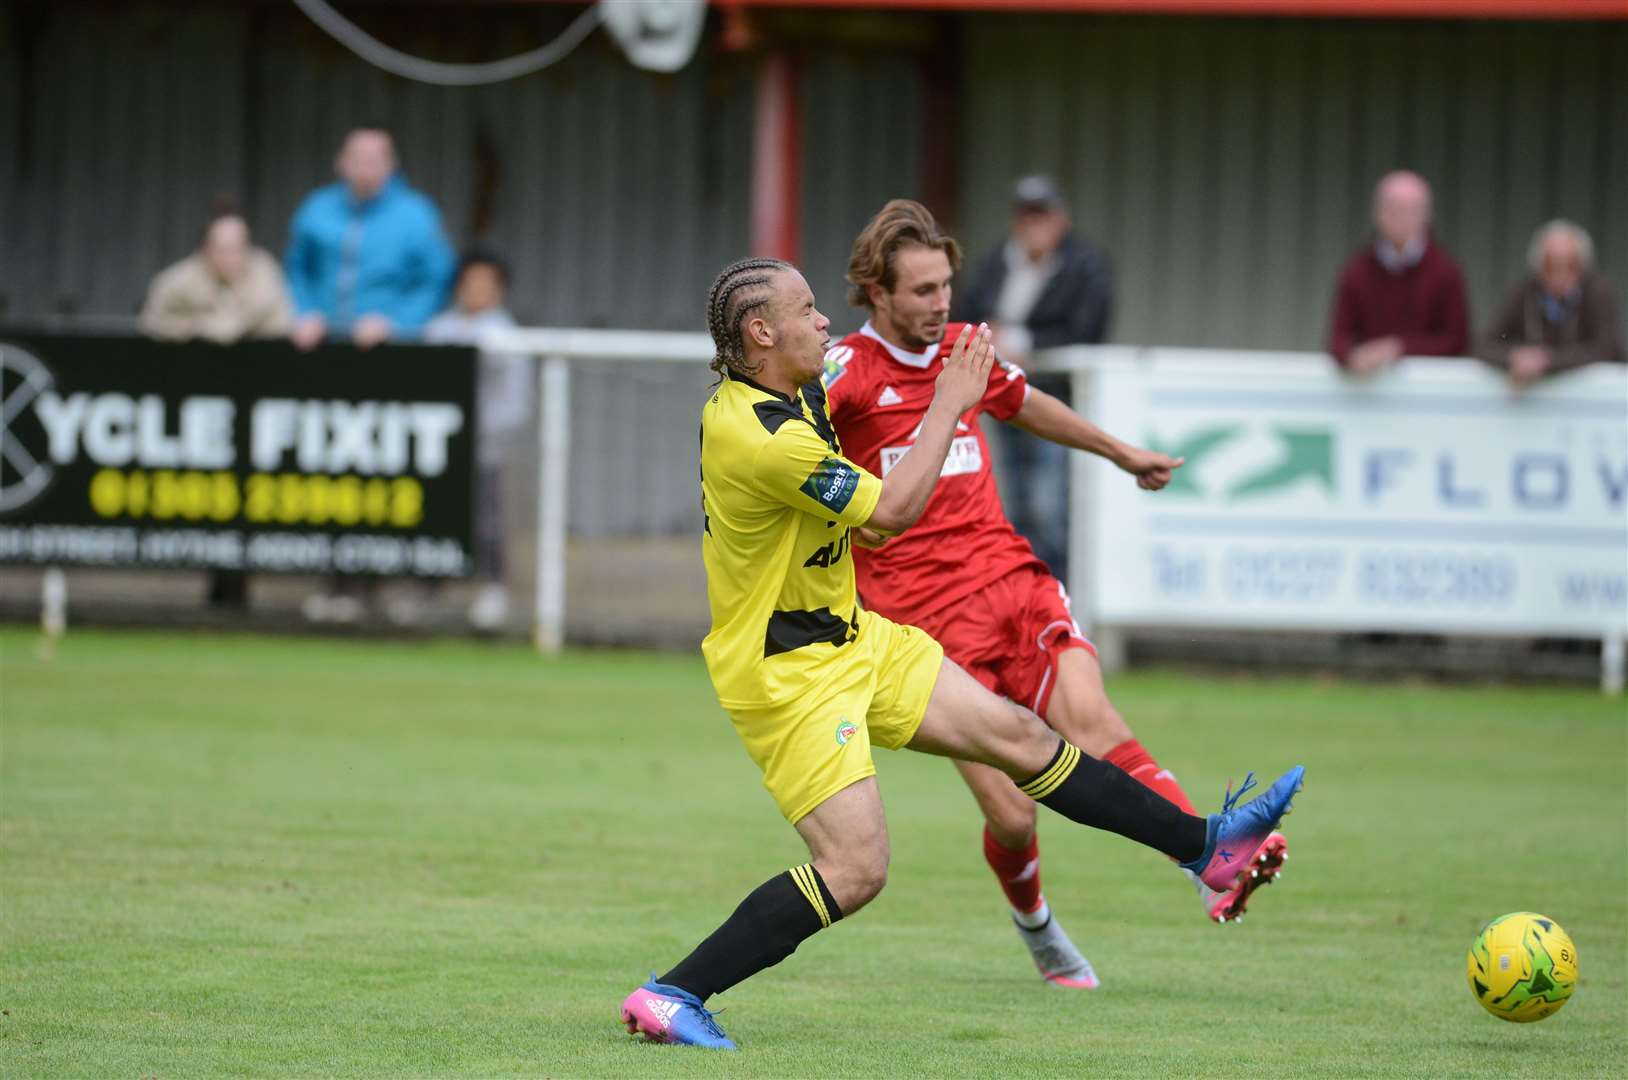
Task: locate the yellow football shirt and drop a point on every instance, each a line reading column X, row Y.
column 779, row 499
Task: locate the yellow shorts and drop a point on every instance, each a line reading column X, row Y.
column 877, row 693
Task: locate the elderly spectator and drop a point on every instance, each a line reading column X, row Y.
column 366, row 255
column 1561, row 317
column 226, row 290
column 505, row 411
column 1402, row 295
column 1045, row 287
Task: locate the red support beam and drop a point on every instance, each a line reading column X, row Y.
column 1373, row 9
column 777, row 159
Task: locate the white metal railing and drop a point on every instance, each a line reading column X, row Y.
column 554, row 350
column 1090, row 497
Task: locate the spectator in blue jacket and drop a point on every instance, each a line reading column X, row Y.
column 367, row 257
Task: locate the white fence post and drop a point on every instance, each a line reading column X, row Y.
column 556, row 347
column 53, row 605
column 1613, row 648
column 553, row 451
column 1109, row 640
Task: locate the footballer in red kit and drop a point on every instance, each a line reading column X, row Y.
column 964, row 574
column 963, row 551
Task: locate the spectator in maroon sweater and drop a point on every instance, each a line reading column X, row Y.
column 1403, row 295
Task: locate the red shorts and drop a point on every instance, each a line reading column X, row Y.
column 1009, row 635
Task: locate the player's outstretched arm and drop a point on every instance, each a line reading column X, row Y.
column 1048, row 418
column 961, row 385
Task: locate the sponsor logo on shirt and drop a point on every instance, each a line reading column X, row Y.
column 965, row 457
column 836, row 363
column 832, row 484
column 889, row 396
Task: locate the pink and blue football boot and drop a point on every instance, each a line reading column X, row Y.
column 1236, row 836
column 1264, row 869
column 666, row 1014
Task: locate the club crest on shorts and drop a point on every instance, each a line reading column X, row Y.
column 846, row 729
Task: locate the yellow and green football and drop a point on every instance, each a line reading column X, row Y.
column 1522, row 967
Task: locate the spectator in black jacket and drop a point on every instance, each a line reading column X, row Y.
column 1045, row 287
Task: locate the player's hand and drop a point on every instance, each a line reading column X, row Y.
column 1151, row 468
column 869, row 538
column 965, row 377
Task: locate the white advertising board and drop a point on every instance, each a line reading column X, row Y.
column 1431, row 498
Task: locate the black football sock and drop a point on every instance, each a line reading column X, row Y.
column 778, row 916
column 1097, row 794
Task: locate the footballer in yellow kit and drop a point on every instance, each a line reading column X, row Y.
column 794, row 659
column 811, row 680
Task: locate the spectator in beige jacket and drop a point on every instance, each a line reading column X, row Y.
column 226, row 290
column 1561, row 317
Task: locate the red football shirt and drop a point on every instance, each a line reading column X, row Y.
column 877, row 395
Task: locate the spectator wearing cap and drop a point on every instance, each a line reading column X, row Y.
column 1044, row 287
column 226, row 290
column 1402, row 295
column 505, row 410
column 367, row 258
column 1562, row 316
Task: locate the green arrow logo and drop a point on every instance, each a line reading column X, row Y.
column 1307, row 453
column 1184, row 481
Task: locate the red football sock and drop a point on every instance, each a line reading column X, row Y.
column 1017, row 871
column 1130, row 757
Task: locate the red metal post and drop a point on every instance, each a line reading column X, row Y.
column 1373, row 9
column 777, row 159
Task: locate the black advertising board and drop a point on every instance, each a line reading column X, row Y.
column 123, row 452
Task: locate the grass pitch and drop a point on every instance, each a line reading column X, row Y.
column 233, row 856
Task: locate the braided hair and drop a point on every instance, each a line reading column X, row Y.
column 742, row 288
